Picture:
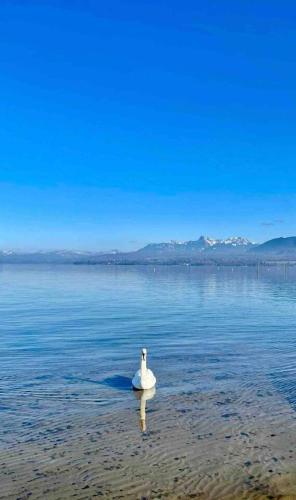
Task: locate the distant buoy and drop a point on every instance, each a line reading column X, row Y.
column 144, row 378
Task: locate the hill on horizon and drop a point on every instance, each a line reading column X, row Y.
column 277, row 246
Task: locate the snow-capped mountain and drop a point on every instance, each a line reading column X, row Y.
column 202, row 244
column 233, row 241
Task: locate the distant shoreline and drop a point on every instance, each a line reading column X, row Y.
column 193, row 264
column 265, row 263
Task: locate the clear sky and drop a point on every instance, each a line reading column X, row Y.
column 130, row 121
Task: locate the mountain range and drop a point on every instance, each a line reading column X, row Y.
column 49, row 257
column 201, row 251
column 204, row 244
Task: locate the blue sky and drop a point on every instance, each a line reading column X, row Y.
column 126, row 122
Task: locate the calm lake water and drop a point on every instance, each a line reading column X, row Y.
column 71, row 336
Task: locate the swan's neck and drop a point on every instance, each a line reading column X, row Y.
column 143, row 364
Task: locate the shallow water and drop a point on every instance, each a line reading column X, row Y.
column 220, row 339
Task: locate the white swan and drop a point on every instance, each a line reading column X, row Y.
column 144, row 378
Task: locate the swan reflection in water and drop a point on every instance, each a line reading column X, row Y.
column 144, row 396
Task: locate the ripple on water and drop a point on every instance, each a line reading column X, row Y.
column 221, row 343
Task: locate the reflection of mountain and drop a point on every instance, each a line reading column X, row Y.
column 144, row 396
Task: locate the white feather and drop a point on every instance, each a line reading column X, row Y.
column 144, row 378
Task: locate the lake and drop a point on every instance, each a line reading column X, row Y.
column 221, row 342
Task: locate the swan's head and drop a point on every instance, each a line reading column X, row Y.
column 144, row 353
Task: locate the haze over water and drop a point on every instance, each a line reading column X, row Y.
column 70, row 342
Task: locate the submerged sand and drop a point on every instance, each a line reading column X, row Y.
column 237, row 444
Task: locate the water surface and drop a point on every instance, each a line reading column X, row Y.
column 70, row 341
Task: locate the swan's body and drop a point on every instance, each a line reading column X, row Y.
column 144, row 378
